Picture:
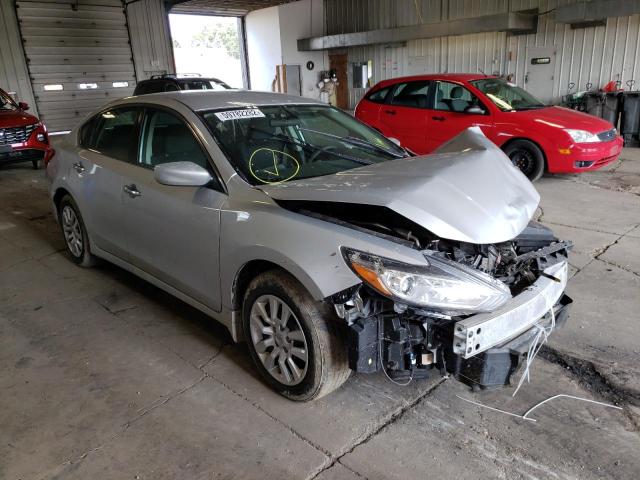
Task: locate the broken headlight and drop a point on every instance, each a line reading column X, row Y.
column 440, row 284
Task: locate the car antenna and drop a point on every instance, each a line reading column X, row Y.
column 482, row 72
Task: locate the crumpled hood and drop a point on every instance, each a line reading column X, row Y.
column 467, row 190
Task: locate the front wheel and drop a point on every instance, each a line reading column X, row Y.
column 294, row 341
column 528, row 157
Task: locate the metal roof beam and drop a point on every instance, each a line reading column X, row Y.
column 513, row 22
column 595, row 12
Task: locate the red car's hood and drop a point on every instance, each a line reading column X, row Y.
column 560, row 117
column 15, row 118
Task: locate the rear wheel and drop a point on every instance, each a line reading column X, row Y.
column 74, row 232
column 528, row 157
column 294, row 341
column 34, row 163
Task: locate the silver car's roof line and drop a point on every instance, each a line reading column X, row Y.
column 468, row 190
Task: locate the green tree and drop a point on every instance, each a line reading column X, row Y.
column 218, row 36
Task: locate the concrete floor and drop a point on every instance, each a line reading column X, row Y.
column 104, row 376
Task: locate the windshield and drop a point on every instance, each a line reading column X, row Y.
column 204, row 84
column 506, row 96
column 6, row 102
column 280, row 143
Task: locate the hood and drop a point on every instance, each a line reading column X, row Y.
column 468, row 190
column 560, row 117
column 15, row 118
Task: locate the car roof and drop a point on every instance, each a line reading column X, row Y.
column 461, row 77
column 198, row 100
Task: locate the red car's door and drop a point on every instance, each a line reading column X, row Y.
column 404, row 116
column 452, row 112
column 368, row 110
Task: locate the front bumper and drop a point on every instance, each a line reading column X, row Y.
column 478, row 333
column 596, row 155
column 31, row 150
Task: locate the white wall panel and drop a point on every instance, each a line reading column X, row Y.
column 14, row 76
column 150, row 38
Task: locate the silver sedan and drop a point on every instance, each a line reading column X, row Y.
column 326, row 246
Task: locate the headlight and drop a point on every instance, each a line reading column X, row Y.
column 441, row 284
column 582, row 136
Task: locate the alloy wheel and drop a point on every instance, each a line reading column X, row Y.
column 524, row 160
column 72, row 231
column 278, row 340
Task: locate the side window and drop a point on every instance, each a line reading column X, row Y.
column 154, row 87
column 116, row 133
column 166, row 138
column 171, row 87
column 379, row 96
column 88, row 133
column 411, row 94
column 454, row 98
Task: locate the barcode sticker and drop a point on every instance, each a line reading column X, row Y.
column 239, row 114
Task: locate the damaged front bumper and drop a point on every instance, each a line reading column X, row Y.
column 478, row 333
column 482, row 350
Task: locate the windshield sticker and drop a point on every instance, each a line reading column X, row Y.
column 272, row 166
column 239, row 114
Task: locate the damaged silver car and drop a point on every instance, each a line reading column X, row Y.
column 323, row 244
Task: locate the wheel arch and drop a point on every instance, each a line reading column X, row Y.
column 59, row 195
column 527, row 139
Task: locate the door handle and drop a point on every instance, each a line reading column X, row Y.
column 439, row 119
column 390, row 112
column 132, row 190
column 78, row 167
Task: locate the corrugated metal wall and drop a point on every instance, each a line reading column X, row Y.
column 585, row 55
column 14, row 76
column 150, row 38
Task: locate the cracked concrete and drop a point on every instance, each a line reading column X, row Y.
column 104, row 376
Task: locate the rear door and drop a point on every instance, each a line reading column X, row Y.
column 449, row 113
column 108, row 146
column 173, row 231
column 404, row 116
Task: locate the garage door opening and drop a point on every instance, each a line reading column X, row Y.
column 208, row 46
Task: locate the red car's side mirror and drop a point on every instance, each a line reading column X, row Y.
column 23, row 105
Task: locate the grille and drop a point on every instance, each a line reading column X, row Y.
column 15, row 134
column 608, row 135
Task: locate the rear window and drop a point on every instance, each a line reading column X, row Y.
column 379, row 96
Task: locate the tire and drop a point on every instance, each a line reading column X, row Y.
column 74, row 233
column 34, row 163
column 528, row 157
column 326, row 367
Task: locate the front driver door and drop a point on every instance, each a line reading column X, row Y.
column 173, row 231
column 449, row 116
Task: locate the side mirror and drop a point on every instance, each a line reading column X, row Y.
column 394, row 140
column 475, row 110
column 182, row 174
column 23, row 105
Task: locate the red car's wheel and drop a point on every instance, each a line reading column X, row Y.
column 528, row 157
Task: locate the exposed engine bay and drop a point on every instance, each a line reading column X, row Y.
column 408, row 342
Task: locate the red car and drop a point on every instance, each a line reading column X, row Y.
column 23, row 138
column 424, row 111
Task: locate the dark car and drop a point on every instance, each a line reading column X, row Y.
column 23, row 138
column 172, row 83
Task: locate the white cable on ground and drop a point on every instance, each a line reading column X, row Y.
column 496, row 409
column 568, row 396
column 542, row 335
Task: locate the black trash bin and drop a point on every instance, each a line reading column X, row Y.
column 611, row 108
column 630, row 121
column 594, row 103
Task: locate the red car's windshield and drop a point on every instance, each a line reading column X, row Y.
column 6, row 102
column 506, row 96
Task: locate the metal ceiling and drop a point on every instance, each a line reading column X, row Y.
column 236, row 8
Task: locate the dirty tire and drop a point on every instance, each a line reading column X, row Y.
column 528, row 157
column 84, row 258
column 327, row 366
